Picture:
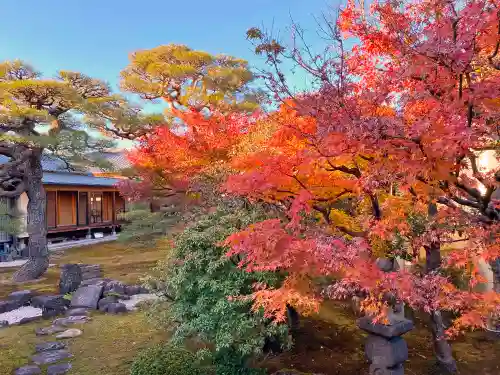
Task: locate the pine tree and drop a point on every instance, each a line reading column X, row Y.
column 48, row 116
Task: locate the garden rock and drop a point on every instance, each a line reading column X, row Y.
column 30, row 319
column 50, row 313
column 59, row 369
column 6, row 306
column 28, row 370
column 80, row 311
column 45, row 358
column 87, row 296
column 95, row 281
column 69, row 333
column 75, row 319
column 104, row 302
column 22, row 297
column 48, row 346
column 115, row 286
column 90, row 271
column 116, row 308
column 57, row 302
column 117, row 295
column 132, row 290
column 70, row 279
column 48, row 330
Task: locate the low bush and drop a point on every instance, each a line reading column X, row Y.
column 165, row 360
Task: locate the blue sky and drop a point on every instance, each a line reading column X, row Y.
column 95, row 37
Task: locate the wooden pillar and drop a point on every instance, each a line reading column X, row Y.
column 88, row 208
column 57, row 209
column 114, row 208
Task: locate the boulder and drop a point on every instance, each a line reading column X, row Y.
column 59, row 369
column 69, row 333
column 103, row 302
column 76, row 319
column 48, row 330
column 117, row 295
column 90, row 271
column 48, row 346
column 116, row 308
column 28, row 370
column 131, row 290
column 6, row 306
column 70, row 279
column 22, row 297
column 56, row 302
column 87, row 296
column 50, row 313
column 95, row 281
column 30, row 319
column 44, row 358
column 77, row 312
column 115, row 286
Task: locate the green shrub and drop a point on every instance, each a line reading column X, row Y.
column 165, row 360
column 229, row 362
column 198, row 278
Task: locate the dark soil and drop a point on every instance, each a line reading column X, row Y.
column 331, row 344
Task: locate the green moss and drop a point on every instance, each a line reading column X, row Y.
column 117, row 260
column 107, row 346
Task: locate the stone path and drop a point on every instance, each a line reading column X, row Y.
column 54, row 353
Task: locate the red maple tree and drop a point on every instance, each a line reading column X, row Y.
column 379, row 160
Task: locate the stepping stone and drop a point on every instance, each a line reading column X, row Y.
column 59, row 369
column 77, row 312
column 48, row 330
column 69, row 333
column 47, row 346
column 44, row 358
column 76, row 319
column 28, row 370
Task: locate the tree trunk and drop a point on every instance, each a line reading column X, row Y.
column 495, row 268
column 442, row 347
column 38, row 260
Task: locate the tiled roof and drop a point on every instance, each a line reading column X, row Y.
column 56, row 173
column 66, row 178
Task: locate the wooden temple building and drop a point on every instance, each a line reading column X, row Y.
column 79, row 204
